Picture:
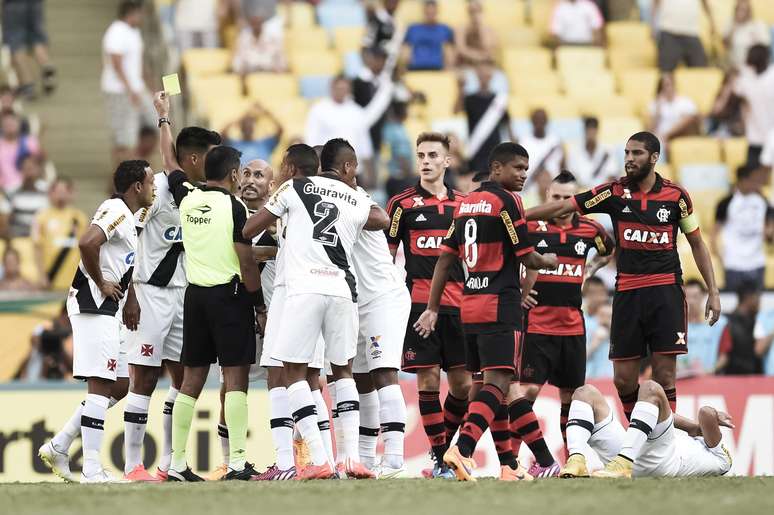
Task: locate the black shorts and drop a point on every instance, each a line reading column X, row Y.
column 557, row 360
column 218, row 326
column 648, row 319
column 445, row 347
column 486, row 351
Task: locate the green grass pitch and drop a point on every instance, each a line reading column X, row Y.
column 695, row 496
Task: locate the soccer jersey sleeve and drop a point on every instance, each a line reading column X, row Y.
column 395, row 231
column 688, row 220
column 595, row 200
column 179, row 186
column 603, row 242
column 239, row 212
column 110, row 220
column 278, row 202
column 512, row 216
column 450, row 243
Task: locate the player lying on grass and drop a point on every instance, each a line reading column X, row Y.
column 657, row 443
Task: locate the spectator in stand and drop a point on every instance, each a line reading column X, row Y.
column 678, row 27
column 24, row 29
column 29, row 198
column 475, row 42
column 429, row 45
column 12, row 279
column 705, row 339
column 577, row 22
column 381, row 26
column 127, row 101
column 597, row 314
column 742, row 33
column 250, row 146
column 725, row 117
column 672, row 115
column 744, row 221
column 55, row 234
column 401, row 151
column 260, row 46
column 14, row 147
column 487, row 116
column 51, row 351
column 8, row 103
column 197, row 23
column 592, row 163
column 148, row 146
column 340, row 117
column 366, row 86
column 764, row 336
column 546, row 154
column 5, row 216
column 755, row 87
column 738, row 353
column 767, row 154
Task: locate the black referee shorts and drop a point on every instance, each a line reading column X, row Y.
column 218, row 326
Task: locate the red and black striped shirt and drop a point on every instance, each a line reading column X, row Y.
column 645, row 226
column 559, row 291
column 419, row 220
column 489, row 235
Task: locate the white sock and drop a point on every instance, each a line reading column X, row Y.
column 369, row 428
column 324, row 423
column 281, row 424
column 92, row 432
column 644, row 419
column 223, row 437
column 135, row 422
column 337, row 436
column 348, row 408
column 64, row 438
column 392, row 415
column 166, row 454
column 580, row 424
column 305, row 418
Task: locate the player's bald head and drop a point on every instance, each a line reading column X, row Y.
column 259, row 165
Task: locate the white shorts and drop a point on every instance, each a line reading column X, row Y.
column 159, row 336
column 307, row 316
column 272, row 333
column 97, row 348
column 607, row 438
column 381, row 331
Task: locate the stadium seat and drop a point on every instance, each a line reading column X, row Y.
column 583, row 85
column 534, row 84
column 527, row 61
column 205, row 89
column 704, row 206
column 499, row 13
column 292, row 113
column 415, row 127
column 519, row 37
column 311, row 39
column 693, row 150
column 315, row 86
column 699, row 84
column 517, row 108
column 206, row 61
column 614, row 130
column 222, row 110
column 556, row 106
column 639, row 86
column 453, row 12
column 409, row 11
column 353, row 63
column 622, row 34
column 276, row 86
column 540, row 16
column 26, row 250
column 604, row 106
column 348, row 39
column 315, row 62
column 341, row 14
column 575, row 59
column 768, row 279
column 734, row 153
column 700, row 177
column 630, row 58
column 763, row 10
column 300, row 15
column 666, row 171
column 440, row 89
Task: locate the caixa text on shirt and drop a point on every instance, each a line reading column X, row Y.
column 312, row 189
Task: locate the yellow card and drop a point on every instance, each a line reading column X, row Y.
column 171, row 84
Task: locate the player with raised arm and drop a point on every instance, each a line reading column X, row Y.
column 489, row 234
column 420, row 216
column 154, row 305
column 93, row 304
column 658, row 443
column 647, row 212
column 324, row 219
column 554, row 348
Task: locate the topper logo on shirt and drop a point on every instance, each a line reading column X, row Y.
column 479, row 207
column 641, row 236
column 429, row 242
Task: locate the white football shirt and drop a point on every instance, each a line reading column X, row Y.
column 116, row 258
column 324, row 218
column 160, row 260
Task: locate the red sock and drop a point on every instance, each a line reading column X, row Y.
column 671, row 395
column 525, row 423
column 481, row 413
column 628, row 401
column 453, row 413
column 563, row 415
column 502, row 437
column 432, row 420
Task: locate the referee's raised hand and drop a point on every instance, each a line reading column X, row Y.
column 161, row 103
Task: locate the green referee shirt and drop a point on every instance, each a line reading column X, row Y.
column 212, row 220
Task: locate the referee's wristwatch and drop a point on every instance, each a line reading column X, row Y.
column 164, row 120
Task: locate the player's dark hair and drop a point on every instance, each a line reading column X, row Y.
column 127, row 7
column 334, row 152
column 590, row 122
column 437, row 137
column 744, row 171
column 695, row 282
column 758, row 58
column 565, row 177
column 746, row 290
column 649, row 139
column 303, row 158
column 128, row 173
column 220, row 161
column 195, row 140
column 505, row 152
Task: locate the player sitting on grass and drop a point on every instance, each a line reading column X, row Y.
column 650, row 446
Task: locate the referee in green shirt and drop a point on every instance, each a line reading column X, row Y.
column 223, row 290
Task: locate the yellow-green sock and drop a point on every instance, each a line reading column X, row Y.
column 236, row 420
column 182, row 415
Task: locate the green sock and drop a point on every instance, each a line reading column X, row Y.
column 236, row 421
column 182, row 414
